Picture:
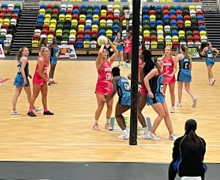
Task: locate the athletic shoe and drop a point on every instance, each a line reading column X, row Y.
column 172, row 137
column 208, row 82
column 144, row 136
column 15, row 112
column 212, row 82
column 194, row 102
column 124, row 135
column 52, row 82
column 153, row 137
column 172, row 109
column 108, row 126
column 48, row 113
column 178, row 104
column 37, row 109
column 31, row 114
column 96, row 127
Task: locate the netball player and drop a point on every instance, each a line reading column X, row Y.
column 104, row 84
column 53, row 61
column 119, row 42
column 155, row 97
column 122, row 87
column 127, row 50
column 40, row 80
column 169, row 70
column 144, row 63
column 184, row 74
column 21, row 80
column 208, row 51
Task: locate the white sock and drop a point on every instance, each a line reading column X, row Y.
column 145, row 130
column 107, row 121
column 96, row 122
column 51, row 79
column 125, row 131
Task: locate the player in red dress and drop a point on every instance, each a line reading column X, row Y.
column 104, row 84
column 169, row 70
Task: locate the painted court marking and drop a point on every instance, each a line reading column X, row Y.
column 4, row 80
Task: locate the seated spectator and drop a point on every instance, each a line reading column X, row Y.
column 188, row 154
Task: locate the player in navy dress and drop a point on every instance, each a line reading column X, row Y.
column 208, row 51
column 184, row 75
column 122, row 87
column 155, row 97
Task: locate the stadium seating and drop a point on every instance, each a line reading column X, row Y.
column 8, row 21
column 81, row 25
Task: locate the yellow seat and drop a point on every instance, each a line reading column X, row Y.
column 82, row 17
column 42, row 11
column 73, row 32
column 73, row 0
column 81, row 27
column 1, row 21
column 104, row 0
column 95, row 17
column 160, row 38
column 117, row 7
column 48, row 16
column 153, row 45
column 124, row 23
column 103, row 22
column 202, row 33
column 61, row 17
column 109, row 32
column 68, row 17
column 47, row 21
column 169, row 1
column 74, row 22
column 59, row 32
column 175, row 38
column 86, row 44
column 152, row 17
column 192, row 8
column 94, row 27
column 103, row 12
column 35, row 43
column 181, row 33
column 50, row 37
column 160, row 28
column 6, row 21
column 117, row 0
column 163, row 1
column 187, row 23
column 52, row 26
column 146, row 33
column 53, row 21
column 169, row 44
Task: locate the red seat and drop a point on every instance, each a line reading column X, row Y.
column 179, row 12
column 103, row 16
column 71, row 42
column 9, row 11
column 175, row 45
column 153, row 38
column 5, row 26
column 45, row 26
column 50, row 6
column 199, row 13
column 55, row 11
column 189, row 38
column 75, row 6
column 152, row 12
column 165, row 7
column 44, row 31
column 94, row 32
column 186, row 17
column 166, row 12
column 51, row 31
column 179, row 23
column 14, row 16
column 3, row 11
column 110, row 16
column 82, row 21
column 196, row 33
column 69, row 11
column 172, row 17
column 123, row 17
column 146, row 38
column 75, row 16
column 110, row 11
column 2, row 15
column 201, row 23
column 116, row 17
column 196, row 0
column 196, row 38
column 36, row 37
column 79, row 37
column 87, row 32
column 80, row 32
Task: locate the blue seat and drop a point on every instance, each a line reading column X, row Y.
column 158, row 7
column 16, row 11
column 88, row 27
column 173, row 23
column 179, row 17
column 172, row 12
column 96, row 7
column 63, row 11
column 174, row 33
column 96, row 11
column 40, row 22
column 116, row 28
column 41, row 16
column 79, row 44
column 83, row 7
column 145, row 7
column 166, row 17
column 95, row 22
column 113, row 37
column 146, row 17
column 200, row 18
column 89, row 16
column 176, row 0
column 87, row 38
column 179, row 7
column 102, row 32
column 201, row 28
column 4, row 6
column 159, row 22
column 152, row 23
column 43, row 6
column 76, row 11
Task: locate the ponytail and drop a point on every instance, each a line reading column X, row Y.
column 192, row 140
column 186, row 51
column 19, row 53
column 41, row 43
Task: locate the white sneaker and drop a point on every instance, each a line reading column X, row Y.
column 124, row 135
column 144, row 136
column 15, row 112
column 172, row 109
column 172, row 137
column 37, row 109
column 153, row 137
column 178, row 104
column 208, row 82
column 212, row 82
column 194, row 102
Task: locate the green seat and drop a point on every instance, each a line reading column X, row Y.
column 185, row 8
column 146, row 27
column 66, row 32
column 56, row 6
column 17, row 6
column 48, row 11
column 189, row 33
column 116, row 22
column 60, row 26
column 109, row 27
column 125, row 7
column 153, row 33
column 160, row 45
column 102, row 27
column 89, row 11
column 167, row 33
column 173, row 28
column 60, row 21
column 7, row 16
column 54, row 16
column 146, row 22
column 65, row 37
column 172, row 7
column 90, row 7
column 74, row 27
column 182, row 39
column 2, row 37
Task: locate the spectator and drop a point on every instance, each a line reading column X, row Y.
column 188, row 154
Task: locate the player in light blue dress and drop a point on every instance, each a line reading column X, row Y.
column 122, row 87
column 209, row 51
column 184, row 75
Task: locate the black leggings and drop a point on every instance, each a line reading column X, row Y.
column 172, row 173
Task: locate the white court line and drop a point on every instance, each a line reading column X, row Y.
column 92, row 144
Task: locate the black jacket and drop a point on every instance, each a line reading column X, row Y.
column 191, row 161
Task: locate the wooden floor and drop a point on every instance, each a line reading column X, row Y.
column 68, row 135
